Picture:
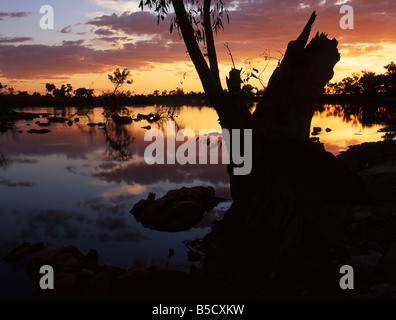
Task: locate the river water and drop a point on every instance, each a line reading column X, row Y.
column 76, row 184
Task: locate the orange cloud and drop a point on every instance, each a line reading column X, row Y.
column 134, row 40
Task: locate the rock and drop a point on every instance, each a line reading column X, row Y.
column 142, row 204
column 68, row 264
column 101, row 283
column 328, row 130
column 151, row 117
column 178, row 210
column 381, row 291
column 39, row 131
column 92, row 256
column 65, row 282
column 43, row 124
column 317, row 129
column 76, row 119
column 389, row 260
column 357, row 216
column 20, row 131
column 69, row 123
column 4, row 127
column 121, row 119
column 366, row 263
column 57, row 119
column 65, row 259
column 25, row 249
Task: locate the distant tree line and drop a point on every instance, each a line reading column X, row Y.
column 368, row 83
column 64, row 95
column 119, row 79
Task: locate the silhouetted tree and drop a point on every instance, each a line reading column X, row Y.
column 63, row 91
column 368, row 83
column 50, row 87
column 120, row 78
column 83, row 92
column 391, row 77
column 2, row 88
column 279, row 207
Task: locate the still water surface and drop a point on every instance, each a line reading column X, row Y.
column 76, row 185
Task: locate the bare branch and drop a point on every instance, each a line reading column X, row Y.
column 229, row 52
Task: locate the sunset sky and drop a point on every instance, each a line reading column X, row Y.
column 93, row 37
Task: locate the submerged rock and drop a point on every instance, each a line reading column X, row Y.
column 178, row 210
column 4, row 127
column 69, row 266
column 57, row 119
column 25, row 249
column 366, row 263
column 121, row 119
column 151, row 117
column 43, row 124
column 81, row 276
column 39, row 131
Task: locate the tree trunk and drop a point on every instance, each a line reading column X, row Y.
column 280, row 211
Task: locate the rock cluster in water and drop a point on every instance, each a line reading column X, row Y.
column 178, row 210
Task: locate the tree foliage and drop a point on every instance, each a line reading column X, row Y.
column 195, row 21
column 63, row 91
column 120, row 78
column 83, row 92
column 367, row 83
column 195, row 11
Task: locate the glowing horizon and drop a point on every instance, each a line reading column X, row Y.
column 92, row 38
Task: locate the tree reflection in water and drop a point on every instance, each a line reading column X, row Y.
column 119, row 138
column 4, row 162
column 366, row 115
